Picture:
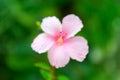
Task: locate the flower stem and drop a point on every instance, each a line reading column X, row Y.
column 53, row 73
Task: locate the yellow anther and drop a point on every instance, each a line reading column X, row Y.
column 59, row 40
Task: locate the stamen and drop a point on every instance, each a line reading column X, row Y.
column 59, row 40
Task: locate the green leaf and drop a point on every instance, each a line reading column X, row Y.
column 42, row 66
column 62, row 77
column 46, row 74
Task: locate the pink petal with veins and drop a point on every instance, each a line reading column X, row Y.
column 71, row 25
column 77, row 48
column 51, row 25
column 42, row 43
column 57, row 56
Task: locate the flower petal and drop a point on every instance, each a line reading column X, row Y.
column 71, row 25
column 57, row 56
column 51, row 25
column 42, row 43
column 77, row 48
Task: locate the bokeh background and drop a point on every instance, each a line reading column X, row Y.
column 101, row 19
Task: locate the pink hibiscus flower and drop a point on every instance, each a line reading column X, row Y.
column 60, row 40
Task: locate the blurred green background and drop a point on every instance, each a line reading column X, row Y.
column 101, row 19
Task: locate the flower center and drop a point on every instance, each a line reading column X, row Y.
column 59, row 40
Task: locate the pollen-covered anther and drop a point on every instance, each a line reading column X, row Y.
column 59, row 40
